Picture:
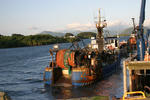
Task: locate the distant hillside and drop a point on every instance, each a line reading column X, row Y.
column 74, row 32
column 59, row 34
column 86, row 35
column 128, row 31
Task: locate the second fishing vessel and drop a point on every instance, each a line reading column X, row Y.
column 80, row 67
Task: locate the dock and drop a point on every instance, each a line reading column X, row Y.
column 139, row 73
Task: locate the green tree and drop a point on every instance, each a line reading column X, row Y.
column 68, row 35
column 86, row 35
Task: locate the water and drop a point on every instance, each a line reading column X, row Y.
column 21, row 76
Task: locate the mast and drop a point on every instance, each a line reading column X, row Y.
column 100, row 25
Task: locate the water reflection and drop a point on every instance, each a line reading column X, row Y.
column 111, row 86
column 69, row 92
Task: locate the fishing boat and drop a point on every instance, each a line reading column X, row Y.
column 81, row 67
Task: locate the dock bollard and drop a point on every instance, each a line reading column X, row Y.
column 4, row 96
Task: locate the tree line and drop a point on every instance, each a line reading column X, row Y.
column 19, row 40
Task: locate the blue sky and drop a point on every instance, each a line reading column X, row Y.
column 33, row 16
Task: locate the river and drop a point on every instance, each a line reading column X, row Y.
column 21, row 76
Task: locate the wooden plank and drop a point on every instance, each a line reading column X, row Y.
column 138, row 65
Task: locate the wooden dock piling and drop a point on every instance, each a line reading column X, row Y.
column 4, row 96
column 125, row 67
column 124, row 77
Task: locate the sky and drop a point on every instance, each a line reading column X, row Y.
column 34, row 16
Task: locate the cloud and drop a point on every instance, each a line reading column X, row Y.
column 79, row 26
column 117, row 23
column 34, row 28
column 147, row 22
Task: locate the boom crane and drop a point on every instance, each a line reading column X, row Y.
column 140, row 36
column 134, row 32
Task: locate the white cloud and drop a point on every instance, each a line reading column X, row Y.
column 147, row 22
column 34, row 28
column 81, row 27
column 117, row 23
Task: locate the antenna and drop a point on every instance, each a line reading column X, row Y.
column 133, row 23
column 99, row 18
